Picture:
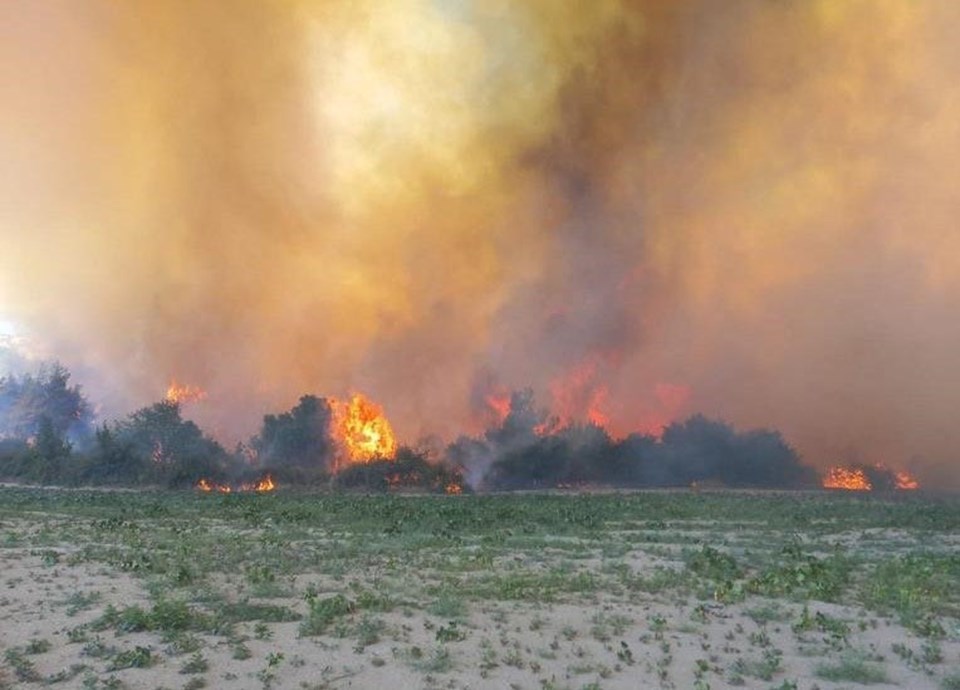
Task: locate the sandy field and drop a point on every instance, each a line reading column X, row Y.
column 645, row 590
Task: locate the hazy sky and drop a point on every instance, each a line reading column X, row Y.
column 640, row 209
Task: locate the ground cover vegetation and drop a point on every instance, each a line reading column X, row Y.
column 668, row 589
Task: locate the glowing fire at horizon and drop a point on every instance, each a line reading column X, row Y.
column 847, row 479
column 263, row 485
column 857, row 479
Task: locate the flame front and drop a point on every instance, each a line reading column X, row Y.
column 364, row 432
column 848, row 479
column 184, row 393
column 858, row 479
column 263, row 485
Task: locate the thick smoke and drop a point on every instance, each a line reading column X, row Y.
column 525, row 452
column 640, row 209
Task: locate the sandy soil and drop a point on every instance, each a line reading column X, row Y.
column 598, row 642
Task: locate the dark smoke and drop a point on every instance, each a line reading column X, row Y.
column 524, row 453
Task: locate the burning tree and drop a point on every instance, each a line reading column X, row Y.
column 362, row 431
column 350, row 441
column 408, row 469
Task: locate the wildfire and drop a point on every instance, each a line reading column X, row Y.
column 363, row 430
column 859, row 478
column 263, row 485
column 499, row 406
column 848, row 479
column 906, row 481
column 580, row 395
column 184, row 393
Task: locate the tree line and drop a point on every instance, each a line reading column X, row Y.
column 48, row 435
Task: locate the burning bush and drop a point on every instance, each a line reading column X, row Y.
column 528, row 451
column 407, row 470
column 860, row 477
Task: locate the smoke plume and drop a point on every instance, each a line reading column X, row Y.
column 641, row 210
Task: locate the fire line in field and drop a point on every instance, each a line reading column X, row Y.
column 265, row 484
column 863, row 478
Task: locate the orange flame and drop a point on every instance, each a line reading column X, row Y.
column 364, row 432
column 208, row 486
column 499, row 405
column 453, row 489
column 906, row 481
column 578, row 395
column 848, row 479
column 856, row 479
column 262, row 485
column 184, row 393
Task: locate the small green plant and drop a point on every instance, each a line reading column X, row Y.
column 367, row 632
column 183, row 643
column 77, row 635
column 438, row 661
column 79, row 601
column 195, row 664
column 23, row 669
column 450, row 633
column 96, row 648
column 950, row 682
column 851, row 669
column 262, row 631
column 37, row 646
column 763, row 668
column 322, row 612
column 138, row 657
column 449, row 606
column 786, row 685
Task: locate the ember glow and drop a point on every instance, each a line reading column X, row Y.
column 363, row 430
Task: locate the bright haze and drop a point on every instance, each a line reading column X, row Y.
column 642, row 210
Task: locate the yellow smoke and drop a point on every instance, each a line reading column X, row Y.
column 754, row 204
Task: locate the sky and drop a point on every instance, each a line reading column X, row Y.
column 641, row 210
